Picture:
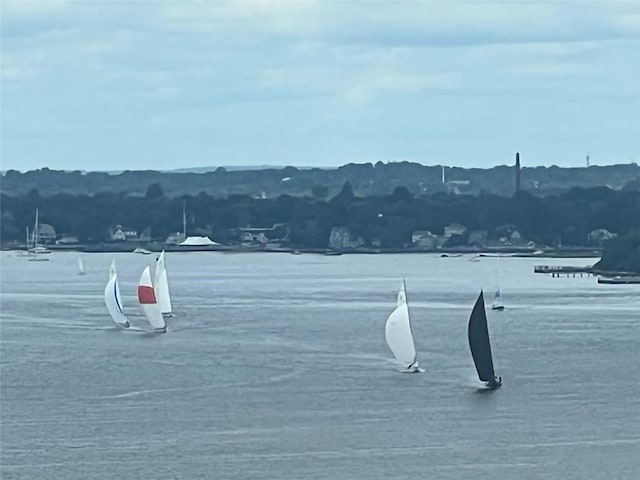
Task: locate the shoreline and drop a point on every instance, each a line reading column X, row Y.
column 487, row 251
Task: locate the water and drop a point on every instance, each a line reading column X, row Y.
column 275, row 366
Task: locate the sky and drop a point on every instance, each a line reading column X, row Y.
column 112, row 85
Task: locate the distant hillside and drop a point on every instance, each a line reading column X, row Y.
column 365, row 179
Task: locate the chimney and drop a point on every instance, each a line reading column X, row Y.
column 517, row 172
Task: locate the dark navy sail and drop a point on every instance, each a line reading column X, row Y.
column 479, row 342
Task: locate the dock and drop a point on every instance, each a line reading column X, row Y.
column 564, row 270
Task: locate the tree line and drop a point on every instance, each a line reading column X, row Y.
column 386, row 221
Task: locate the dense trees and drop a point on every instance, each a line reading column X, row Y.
column 386, row 221
column 365, row 180
column 622, row 254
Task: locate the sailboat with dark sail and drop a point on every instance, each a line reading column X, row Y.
column 481, row 346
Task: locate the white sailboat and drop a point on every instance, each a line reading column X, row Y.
column 114, row 303
column 37, row 249
column 149, row 303
column 81, row 269
column 398, row 333
column 497, row 297
column 162, row 286
column 112, row 268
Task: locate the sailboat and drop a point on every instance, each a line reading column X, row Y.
column 112, row 268
column 162, row 286
column 480, row 345
column 26, row 252
column 81, row 269
column 37, row 248
column 398, row 333
column 149, row 303
column 497, row 301
column 113, row 302
column 497, row 297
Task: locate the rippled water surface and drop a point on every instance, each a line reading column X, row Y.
column 275, row 366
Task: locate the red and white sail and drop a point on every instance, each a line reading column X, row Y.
column 147, row 299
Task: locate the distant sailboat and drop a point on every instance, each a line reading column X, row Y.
column 149, row 303
column 113, row 302
column 81, row 269
column 497, row 298
column 480, row 345
column 398, row 333
column 112, row 268
column 497, row 301
column 37, row 249
column 162, row 286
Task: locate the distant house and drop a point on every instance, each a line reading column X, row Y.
column 454, row 229
column 341, row 238
column 278, row 232
column 599, row 236
column 119, row 233
column 46, row 233
column 515, row 236
column 425, row 239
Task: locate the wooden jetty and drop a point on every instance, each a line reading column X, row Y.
column 564, row 270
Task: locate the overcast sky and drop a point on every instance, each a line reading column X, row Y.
column 145, row 84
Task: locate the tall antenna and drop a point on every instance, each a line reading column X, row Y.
column 587, row 160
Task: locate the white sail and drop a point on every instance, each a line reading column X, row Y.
column 398, row 332
column 113, row 302
column 112, row 268
column 81, row 270
column 148, row 301
column 162, row 286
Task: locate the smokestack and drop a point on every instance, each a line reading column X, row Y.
column 517, row 172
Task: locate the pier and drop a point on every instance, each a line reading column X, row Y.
column 564, row 270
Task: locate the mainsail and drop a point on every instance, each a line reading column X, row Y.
column 162, row 286
column 148, row 301
column 398, row 331
column 113, row 302
column 479, row 341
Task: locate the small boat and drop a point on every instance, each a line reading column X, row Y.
column 162, row 286
column 114, row 303
column 142, row 251
column 497, row 297
column 37, row 248
column 147, row 299
column 112, row 268
column 398, row 333
column 497, row 301
column 481, row 346
column 619, row 280
column 81, row 269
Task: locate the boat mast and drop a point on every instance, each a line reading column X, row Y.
column 184, row 221
column 36, row 234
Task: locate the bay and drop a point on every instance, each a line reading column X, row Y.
column 275, row 366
